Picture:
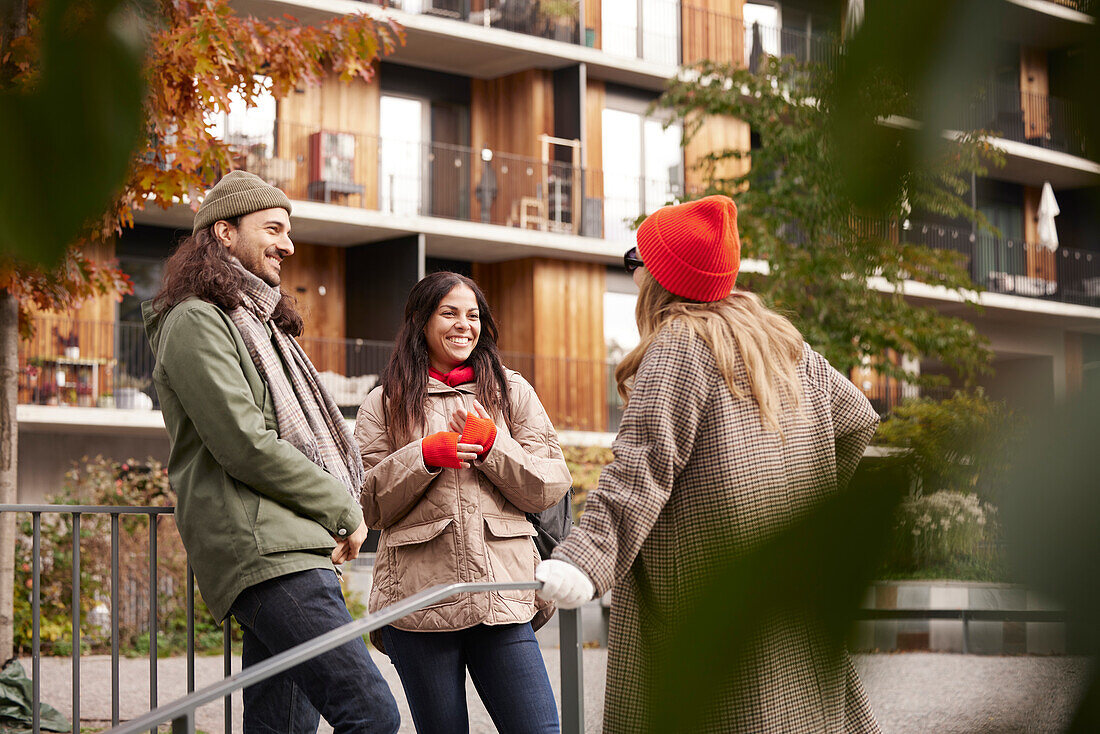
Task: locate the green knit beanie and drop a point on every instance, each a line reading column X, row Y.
column 237, row 194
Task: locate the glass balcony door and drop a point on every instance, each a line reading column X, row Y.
column 402, row 155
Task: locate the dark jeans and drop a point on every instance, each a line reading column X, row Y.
column 343, row 685
column 505, row 665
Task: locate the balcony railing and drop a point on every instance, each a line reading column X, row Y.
column 1082, row 6
column 1017, row 267
column 413, row 178
column 110, row 365
column 721, row 37
column 553, row 19
column 116, row 367
column 1028, row 117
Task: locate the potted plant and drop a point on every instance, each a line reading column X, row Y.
column 70, row 343
column 130, row 392
column 561, row 19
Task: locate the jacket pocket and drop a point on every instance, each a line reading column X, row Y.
column 511, row 552
column 424, row 555
column 279, row 529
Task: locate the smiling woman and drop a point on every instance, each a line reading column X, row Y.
column 456, row 449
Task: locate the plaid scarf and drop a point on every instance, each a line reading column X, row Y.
column 308, row 417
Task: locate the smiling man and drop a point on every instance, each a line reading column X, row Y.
column 266, row 471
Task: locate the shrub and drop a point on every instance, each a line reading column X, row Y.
column 947, row 534
column 955, row 444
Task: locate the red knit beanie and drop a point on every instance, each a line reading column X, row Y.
column 693, row 249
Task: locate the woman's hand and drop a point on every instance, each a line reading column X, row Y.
column 564, row 584
column 458, row 418
column 445, row 449
column 467, row 452
column 475, row 428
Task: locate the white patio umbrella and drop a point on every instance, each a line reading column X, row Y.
column 853, row 17
column 1048, row 210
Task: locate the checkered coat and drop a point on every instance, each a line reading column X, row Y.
column 692, row 465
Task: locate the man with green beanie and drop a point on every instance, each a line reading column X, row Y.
column 266, row 470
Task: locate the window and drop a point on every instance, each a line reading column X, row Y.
column 764, row 38
column 643, row 169
column 251, row 128
column 647, row 29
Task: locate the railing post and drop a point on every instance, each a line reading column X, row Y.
column 76, row 621
column 114, row 619
column 572, row 671
column 184, row 724
column 153, row 613
column 36, row 631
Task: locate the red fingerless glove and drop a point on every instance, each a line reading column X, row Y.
column 441, row 449
column 479, row 431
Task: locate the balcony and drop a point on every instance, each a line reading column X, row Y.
column 726, row 38
column 552, row 19
column 1016, row 267
column 1028, row 117
column 107, row 364
column 422, row 179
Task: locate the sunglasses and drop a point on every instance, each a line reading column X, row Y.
column 631, row 261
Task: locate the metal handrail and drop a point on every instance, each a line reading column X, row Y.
column 181, row 712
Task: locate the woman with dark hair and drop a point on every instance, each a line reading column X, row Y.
column 457, row 448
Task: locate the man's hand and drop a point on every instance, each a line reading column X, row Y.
column 347, row 549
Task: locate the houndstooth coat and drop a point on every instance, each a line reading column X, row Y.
column 693, row 464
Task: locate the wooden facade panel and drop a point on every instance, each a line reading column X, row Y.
column 716, row 134
column 507, row 115
column 595, row 101
column 714, row 30
column 332, row 106
column 592, row 15
column 550, row 314
column 315, row 276
column 508, row 286
column 1035, row 88
column 1041, row 262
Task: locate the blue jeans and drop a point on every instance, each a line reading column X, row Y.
column 343, row 684
column 505, row 665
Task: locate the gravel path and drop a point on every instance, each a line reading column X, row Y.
column 912, row 692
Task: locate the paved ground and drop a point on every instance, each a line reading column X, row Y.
column 913, row 692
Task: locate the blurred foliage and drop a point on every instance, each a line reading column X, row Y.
column 71, row 89
column 822, row 249
column 585, row 464
column 954, row 444
column 1050, row 507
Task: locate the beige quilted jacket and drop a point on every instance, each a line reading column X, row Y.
column 447, row 525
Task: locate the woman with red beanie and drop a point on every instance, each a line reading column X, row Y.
column 456, row 449
column 733, row 427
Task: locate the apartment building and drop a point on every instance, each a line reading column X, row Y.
column 512, row 140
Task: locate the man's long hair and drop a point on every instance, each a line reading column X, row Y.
column 405, row 378
column 201, row 266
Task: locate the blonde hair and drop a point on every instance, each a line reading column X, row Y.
column 768, row 344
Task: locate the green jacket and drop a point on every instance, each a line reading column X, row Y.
column 250, row 506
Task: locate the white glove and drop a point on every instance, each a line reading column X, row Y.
column 564, row 584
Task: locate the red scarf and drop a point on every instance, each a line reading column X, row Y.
column 458, row 376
